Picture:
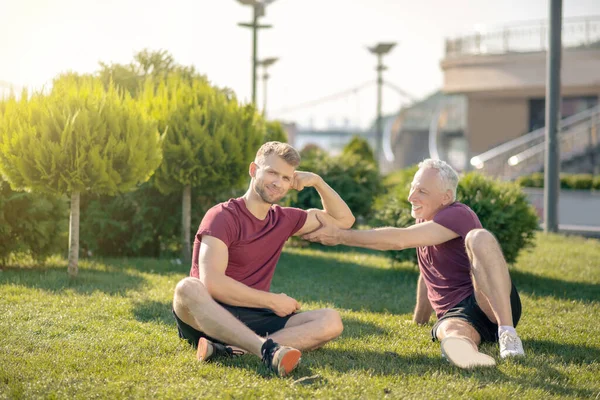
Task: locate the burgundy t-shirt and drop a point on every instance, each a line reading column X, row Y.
column 446, row 268
column 254, row 245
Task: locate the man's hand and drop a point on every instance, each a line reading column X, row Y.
column 420, row 319
column 304, row 179
column 327, row 234
column 284, row 305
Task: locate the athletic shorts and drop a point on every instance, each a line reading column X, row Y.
column 468, row 310
column 261, row 320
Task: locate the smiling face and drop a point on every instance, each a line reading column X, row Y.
column 427, row 194
column 272, row 178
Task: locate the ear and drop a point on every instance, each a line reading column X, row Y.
column 252, row 169
column 447, row 198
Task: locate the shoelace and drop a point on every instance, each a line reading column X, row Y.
column 267, row 351
column 509, row 342
column 234, row 353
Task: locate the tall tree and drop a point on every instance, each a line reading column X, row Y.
column 79, row 138
column 156, row 65
column 209, row 141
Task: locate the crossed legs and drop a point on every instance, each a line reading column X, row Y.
column 305, row 331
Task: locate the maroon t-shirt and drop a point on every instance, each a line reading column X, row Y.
column 254, row 245
column 446, row 268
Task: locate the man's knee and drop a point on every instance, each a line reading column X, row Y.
column 479, row 238
column 457, row 327
column 190, row 290
column 332, row 323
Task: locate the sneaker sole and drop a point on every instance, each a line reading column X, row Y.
column 462, row 354
column 202, row 349
column 289, row 360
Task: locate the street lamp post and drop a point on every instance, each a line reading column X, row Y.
column 552, row 159
column 266, row 63
column 258, row 8
column 380, row 50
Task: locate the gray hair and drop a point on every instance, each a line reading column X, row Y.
column 448, row 175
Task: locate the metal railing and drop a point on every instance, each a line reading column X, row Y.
column 526, row 37
column 525, row 154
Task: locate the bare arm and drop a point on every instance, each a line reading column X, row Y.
column 424, row 234
column 335, row 210
column 423, row 308
column 212, row 262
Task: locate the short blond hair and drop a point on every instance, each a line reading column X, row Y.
column 289, row 154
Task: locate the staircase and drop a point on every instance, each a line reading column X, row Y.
column 578, row 135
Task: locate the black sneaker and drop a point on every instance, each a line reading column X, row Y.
column 280, row 359
column 208, row 350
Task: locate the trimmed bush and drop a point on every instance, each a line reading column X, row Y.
column 141, row 223
column 34, row 224
column 357, row 181
column 576, row 181
column 502, row 208
column 567, row 181
column 359, row 147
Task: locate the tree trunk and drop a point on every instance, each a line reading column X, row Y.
column 186, row 222
column 74, row 235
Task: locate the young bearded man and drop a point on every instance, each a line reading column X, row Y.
column 225, row 306
column 463, row 274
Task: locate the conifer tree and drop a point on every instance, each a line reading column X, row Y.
column 210, row 139
column 80, row 138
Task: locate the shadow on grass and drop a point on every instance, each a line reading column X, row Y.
column 95, row 278
column 386, row 363
column 347, row 285
column 536, row 285
column 155, row 266
column 565, row 352
column 154, row 312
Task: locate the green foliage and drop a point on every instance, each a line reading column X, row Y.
column 535, row 180
column 502, row 208
column 567, row 181
column 357, row 181
column 275, row 132
column 596, row 183
column 146, row 65
column 393, row 208
column 359, row 147
column 210, row 139
column 79, row 138
column 131, row 224
column 31, row 223
column 577, row 181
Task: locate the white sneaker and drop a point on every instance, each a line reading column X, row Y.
column 463, row 353
column 510, row 345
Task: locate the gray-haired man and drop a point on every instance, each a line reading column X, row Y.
column 463, row 274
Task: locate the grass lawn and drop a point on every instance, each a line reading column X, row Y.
column 110, row 333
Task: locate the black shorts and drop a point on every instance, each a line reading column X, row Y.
column 469, row 310
column 261, row 320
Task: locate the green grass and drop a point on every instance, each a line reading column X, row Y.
column 110, row 333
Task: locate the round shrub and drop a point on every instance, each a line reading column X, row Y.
column 359, row 146
column 356, row 180
column 34, row 224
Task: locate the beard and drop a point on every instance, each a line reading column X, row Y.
column 264, row 194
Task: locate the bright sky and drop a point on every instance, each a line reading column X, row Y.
column 321, row 43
